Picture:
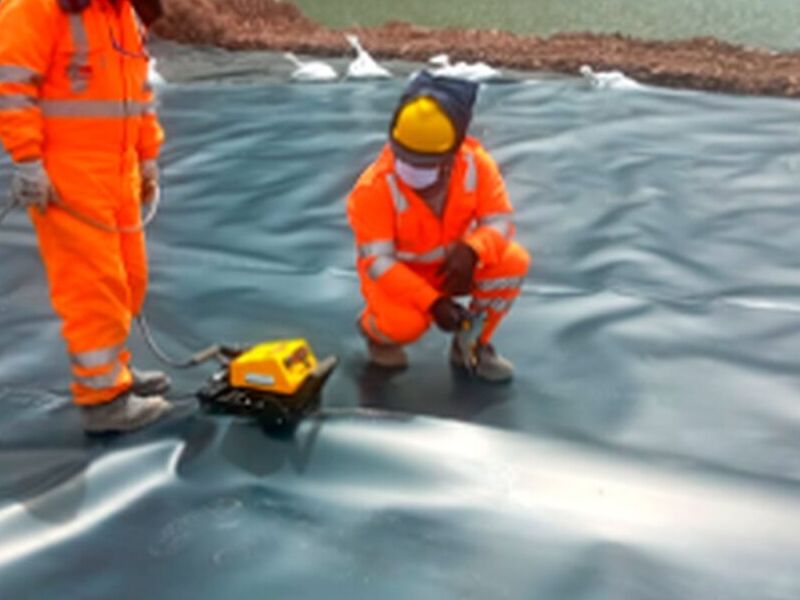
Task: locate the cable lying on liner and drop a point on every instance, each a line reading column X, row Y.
column 221, row 353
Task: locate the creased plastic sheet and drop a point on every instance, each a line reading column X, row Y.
column 648, row 448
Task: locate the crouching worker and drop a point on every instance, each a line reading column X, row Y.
column 77, row 118
column 432, row 222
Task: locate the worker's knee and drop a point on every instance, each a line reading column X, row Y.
column 400, row 325
column 515, row 261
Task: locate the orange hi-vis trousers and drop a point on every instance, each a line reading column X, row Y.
column 97, row 279
column 390, row 320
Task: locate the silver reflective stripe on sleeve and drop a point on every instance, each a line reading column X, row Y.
column 496, row 304
column 15, row 74
column 383, row 251
column 499, row 283
column 432, row 256
column 501, row 222
column 380, row 265
column 96, row 358
column 380, row 248
column 99, row 382
column 16, row 102
column 400, row 201
column 80, row 56
column 109, row 109
column 471, row 176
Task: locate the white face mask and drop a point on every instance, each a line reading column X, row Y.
column 417, row 178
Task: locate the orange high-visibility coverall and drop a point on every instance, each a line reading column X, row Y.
column 401, row 243
column 74, row 93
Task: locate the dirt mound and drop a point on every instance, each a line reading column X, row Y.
column 699, row 63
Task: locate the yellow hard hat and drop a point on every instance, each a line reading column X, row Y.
column 422, row 126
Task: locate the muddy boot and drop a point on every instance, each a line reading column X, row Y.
column 126, row 412
column 389, row 356
column 150, row 383
column 488, row 365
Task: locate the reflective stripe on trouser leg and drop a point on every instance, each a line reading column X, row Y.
column 497, row 286
column 493, row 319
column 99, row 384
column 87, row 274
column 369, row 324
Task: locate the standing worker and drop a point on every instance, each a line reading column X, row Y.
column 432, row 221
column 77, row 118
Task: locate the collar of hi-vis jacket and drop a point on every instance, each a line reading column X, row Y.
column 74, row 6
column 469, row 183
column 78, row 6
column 80, row 61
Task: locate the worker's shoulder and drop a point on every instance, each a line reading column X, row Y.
column 475, row 146
column 482, row 156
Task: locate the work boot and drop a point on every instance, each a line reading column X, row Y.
column 149, row 383
column 389, row 356
column 126, row 412
column 489, row 365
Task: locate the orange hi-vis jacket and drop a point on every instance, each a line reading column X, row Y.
column 74, row 94
column 74, row 82
column 401, row 243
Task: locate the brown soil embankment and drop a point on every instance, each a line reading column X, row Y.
column 699, row 63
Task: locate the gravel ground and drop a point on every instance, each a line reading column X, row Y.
column 698, row 63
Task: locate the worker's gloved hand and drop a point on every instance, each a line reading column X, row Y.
column 458, row 268
column 30, row 185
column 148, row 170
column 448, row 314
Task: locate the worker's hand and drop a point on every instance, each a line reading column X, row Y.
column 148, row 170
column 458, row 268
column 30, row 185
column 448, row 314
